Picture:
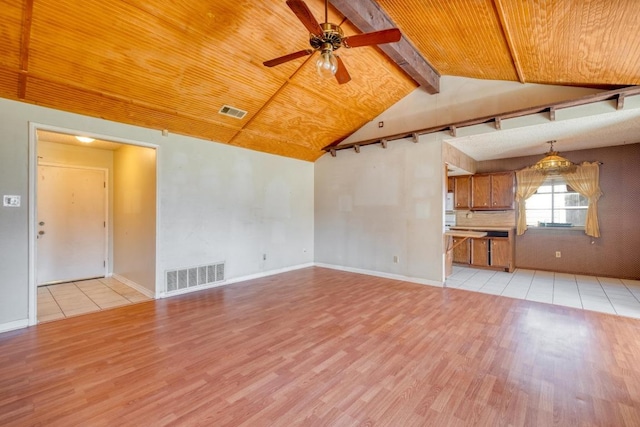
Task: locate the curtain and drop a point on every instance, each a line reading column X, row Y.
column 586, row 181
column 527, row 180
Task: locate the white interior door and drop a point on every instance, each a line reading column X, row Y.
column 71, row 224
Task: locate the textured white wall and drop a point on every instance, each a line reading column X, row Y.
column 381, row 203
column 216, row 202
column 134, row 215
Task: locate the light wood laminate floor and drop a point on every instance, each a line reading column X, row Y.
column 317, row 347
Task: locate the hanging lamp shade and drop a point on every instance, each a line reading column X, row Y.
column 553, row 163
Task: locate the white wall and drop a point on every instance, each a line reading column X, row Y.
column 216, row 202
column 383, row 203
column 134, row 215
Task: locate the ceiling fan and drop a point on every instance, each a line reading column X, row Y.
column 326, row 38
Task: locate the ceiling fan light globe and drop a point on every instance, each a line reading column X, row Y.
column 327, row 64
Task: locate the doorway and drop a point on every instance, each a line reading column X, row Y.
column 92, row 216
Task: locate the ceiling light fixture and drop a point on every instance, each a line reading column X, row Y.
column 553, row 163
column 327, row 64
column 85, row 139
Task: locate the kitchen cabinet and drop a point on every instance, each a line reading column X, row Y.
column 451, row 184
column 500, row 251
column 492, row 191
column 480, row 252
column 462, row 192
column 494, row 251
column 461, row 250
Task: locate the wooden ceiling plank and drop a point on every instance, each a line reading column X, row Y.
column 367, row 16
column 27, row 19
column 504, row 26
column 269, row 101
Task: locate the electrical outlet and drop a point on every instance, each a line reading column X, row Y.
column 395, row 259
column 558, row 254
column 11, row 201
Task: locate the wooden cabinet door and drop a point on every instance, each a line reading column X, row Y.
column 502, row 196
column 462, row 195
column 451, row 184
column 481, row 192
column 461, row 250
column 480, row 252
column 500, row 252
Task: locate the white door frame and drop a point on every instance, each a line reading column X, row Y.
column 33, row 178
column 106, row 207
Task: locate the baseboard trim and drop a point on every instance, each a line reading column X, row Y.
column 12, row 326
column 237, row 279
column 134, row 285
column 382, row 274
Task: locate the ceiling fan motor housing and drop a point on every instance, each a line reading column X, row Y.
column 331, row 34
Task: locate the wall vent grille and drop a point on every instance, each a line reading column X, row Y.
column 192, row 277
column 232, row 112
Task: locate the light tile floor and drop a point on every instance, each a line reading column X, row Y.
column 603, row 294
column 73, row 298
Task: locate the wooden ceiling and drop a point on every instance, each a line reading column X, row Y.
column 173, row 65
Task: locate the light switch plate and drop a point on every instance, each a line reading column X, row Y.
column 11, row 201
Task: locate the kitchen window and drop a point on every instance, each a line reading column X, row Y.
column 556, row 204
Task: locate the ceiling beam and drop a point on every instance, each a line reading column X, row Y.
column 367, row 16
column 452, row 128
column 27, row 19
column 507, row 37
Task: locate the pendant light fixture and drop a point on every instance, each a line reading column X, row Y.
column 553, row 163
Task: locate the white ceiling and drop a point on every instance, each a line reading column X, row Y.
column 575, row 128
column 68, row 139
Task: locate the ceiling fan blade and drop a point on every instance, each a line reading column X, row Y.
column 342, row 75
column 305, row 16
column 286, row 58
column 390, row 35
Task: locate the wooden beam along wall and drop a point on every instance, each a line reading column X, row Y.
column 618, row 95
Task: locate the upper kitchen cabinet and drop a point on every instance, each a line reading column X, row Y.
column 462, row 192
column 492, row 191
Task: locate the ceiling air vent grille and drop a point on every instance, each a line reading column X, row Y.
column 232, row 112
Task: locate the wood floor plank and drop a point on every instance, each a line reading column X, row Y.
column 323, row 347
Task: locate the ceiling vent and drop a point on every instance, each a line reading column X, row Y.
column 232, row 112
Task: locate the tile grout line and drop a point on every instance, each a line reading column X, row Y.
column 122, row 295
column 56, row 301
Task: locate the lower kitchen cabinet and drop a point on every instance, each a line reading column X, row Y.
column 495, row 251
column 480, row 252
column 500, row 251
column 461, row 250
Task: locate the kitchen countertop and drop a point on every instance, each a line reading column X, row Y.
column 465, row 233
column 461, row 227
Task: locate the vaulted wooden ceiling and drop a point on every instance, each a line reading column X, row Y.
column 173, row 65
